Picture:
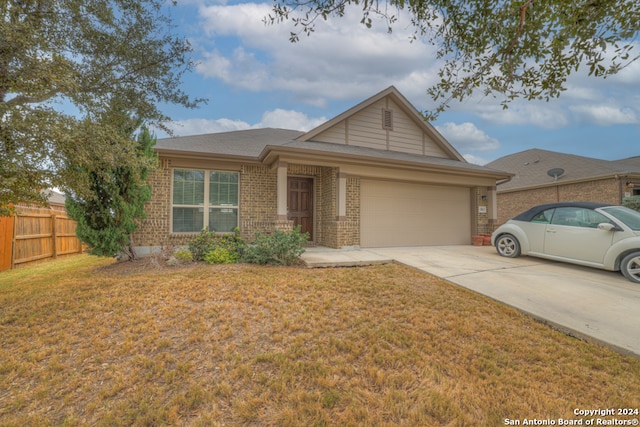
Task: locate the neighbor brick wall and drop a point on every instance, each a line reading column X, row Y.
column 511, row 204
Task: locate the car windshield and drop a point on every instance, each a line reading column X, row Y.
column 630, row 217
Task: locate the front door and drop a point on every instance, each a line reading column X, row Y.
column 300, row 204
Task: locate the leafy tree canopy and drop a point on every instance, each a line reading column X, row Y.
column 517, row 49
column 63, row 64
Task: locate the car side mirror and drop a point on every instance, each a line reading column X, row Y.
column 607, row 226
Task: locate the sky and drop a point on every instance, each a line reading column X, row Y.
column 254, row 77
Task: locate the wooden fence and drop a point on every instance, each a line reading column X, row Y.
column 34, row 235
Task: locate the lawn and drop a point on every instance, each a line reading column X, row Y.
column 89, row 342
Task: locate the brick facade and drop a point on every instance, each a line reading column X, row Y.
column 512, row 203
column 258, row 207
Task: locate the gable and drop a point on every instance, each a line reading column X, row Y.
column 386, row 121
column 383, row 126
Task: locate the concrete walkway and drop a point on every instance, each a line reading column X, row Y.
column 584, row 302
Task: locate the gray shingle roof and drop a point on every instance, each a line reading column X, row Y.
column 251, row 144
column 244, row 143
column 531, row 166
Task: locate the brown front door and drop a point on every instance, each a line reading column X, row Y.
column 300, row 204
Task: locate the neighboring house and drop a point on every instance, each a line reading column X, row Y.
column 576, row 178
column 55, row 201
column 376, row 175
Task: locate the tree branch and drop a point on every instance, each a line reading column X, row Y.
column 523, row 17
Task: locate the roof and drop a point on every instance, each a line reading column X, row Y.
column 529, row 214
column 265, row 145
column 256, row 144
column 387, row 155
column 531, row 168
column 245, row 143
column 54, row 198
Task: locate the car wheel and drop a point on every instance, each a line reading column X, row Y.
column 630, row 267
column 508, row 246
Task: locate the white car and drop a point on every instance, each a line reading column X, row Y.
column 591, row 234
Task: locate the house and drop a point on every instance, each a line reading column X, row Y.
column 376, row 175
column 542, row 176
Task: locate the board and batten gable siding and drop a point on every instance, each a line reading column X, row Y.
column 365, row 129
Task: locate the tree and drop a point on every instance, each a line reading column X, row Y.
column 112, row 211
column 517, row 49
column 63, row 63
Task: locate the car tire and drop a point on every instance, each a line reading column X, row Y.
column 508, row 246
column 630, row 267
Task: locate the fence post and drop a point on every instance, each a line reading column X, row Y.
column 13, row 240
column 54, row 235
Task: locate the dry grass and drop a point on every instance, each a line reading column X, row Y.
column 85, row 342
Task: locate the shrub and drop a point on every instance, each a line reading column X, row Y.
column 183, row 255
column 207, row 241
column 220, row 256
column 632, row 202
column 280, row 248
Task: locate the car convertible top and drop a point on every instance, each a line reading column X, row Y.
column 528, row 215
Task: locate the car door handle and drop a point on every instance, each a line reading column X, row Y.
column 551, row 230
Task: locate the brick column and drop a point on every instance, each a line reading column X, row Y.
column 341, row 197
column 281, row 185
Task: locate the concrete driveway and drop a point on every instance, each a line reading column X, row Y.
column 581, row 301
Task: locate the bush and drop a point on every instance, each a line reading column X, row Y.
column 220, row 256
column 632, row 202
column 183, row 255
column 207, row 241
column 279, row 248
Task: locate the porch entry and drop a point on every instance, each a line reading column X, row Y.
column 300, row 203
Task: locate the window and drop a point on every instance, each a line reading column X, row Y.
column 630, row 217
column 578, row 217
column 204, row 198
column 543, row 217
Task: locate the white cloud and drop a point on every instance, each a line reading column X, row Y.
column 288, row 119
column 341, row 60
column 471, row 158
column 467, row 137
column 241, row 69
column 605, row 115
column 278, row 118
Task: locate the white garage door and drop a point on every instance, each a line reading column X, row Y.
column 405, row 214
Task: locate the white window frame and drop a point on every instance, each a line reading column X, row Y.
column 205, row 207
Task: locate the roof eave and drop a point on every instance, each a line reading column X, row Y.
column 183, row 154
column 272, row 153
column 573, row 181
